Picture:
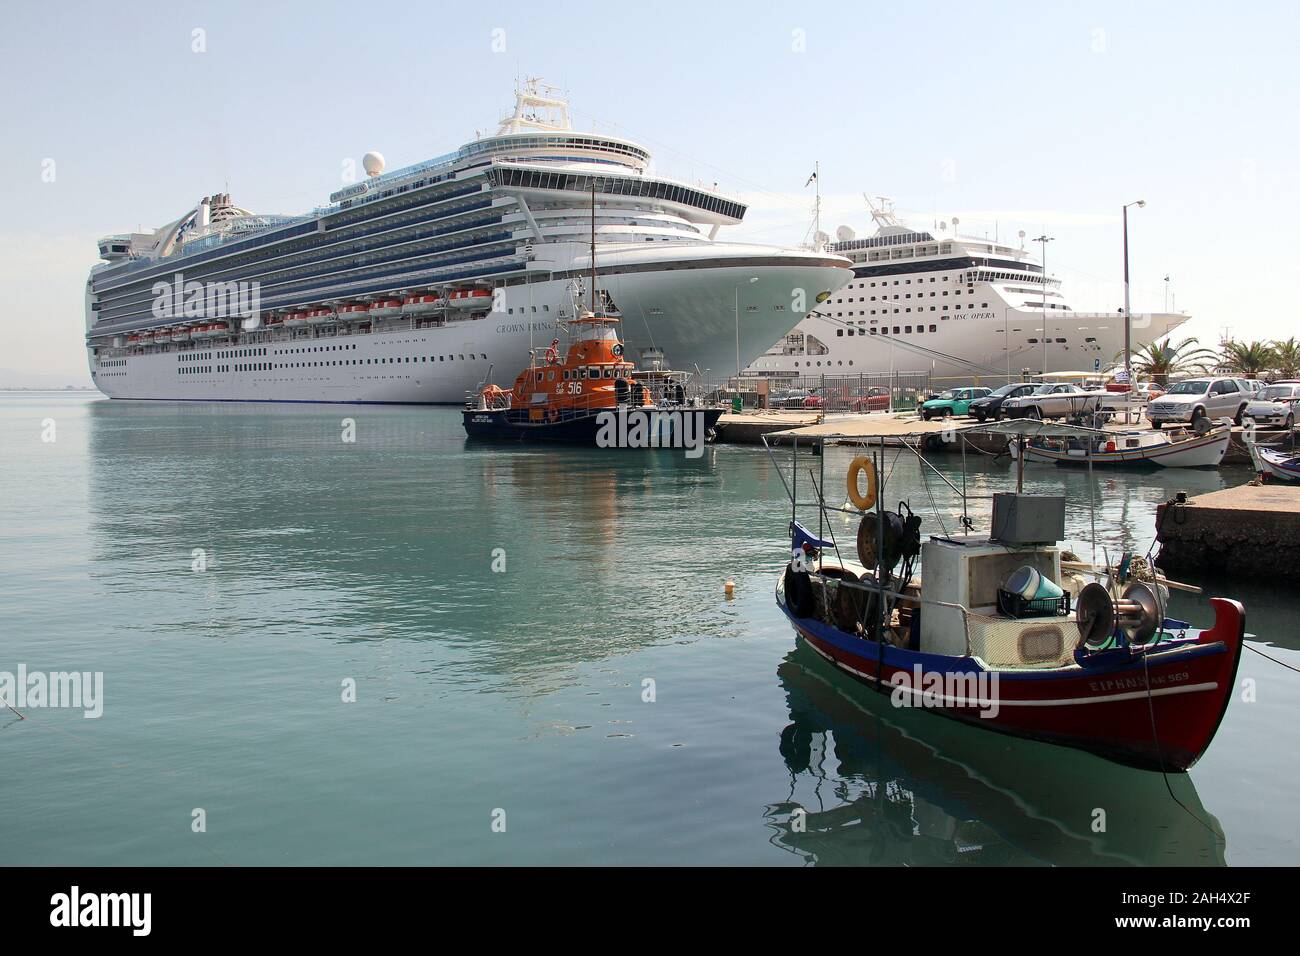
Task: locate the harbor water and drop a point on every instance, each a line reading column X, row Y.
column 345, row 635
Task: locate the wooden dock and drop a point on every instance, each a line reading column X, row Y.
column 750, row 427
column 1241, row 531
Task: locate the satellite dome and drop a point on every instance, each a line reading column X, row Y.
column 844, row 234
column 373, row 163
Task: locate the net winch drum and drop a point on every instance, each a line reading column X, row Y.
column 1138, row 611
column 902, row 539
column 1095, row 612
column 1137, row 614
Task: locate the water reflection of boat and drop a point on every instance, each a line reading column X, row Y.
column 889, row 786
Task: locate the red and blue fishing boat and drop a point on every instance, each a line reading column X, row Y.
column 1004, row 628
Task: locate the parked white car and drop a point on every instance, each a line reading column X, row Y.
column 1054, row 401
column 1275, row 405
column 1187, row 402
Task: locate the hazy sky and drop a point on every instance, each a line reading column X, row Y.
column 1008, row 115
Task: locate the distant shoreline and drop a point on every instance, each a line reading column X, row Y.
column 48, row 388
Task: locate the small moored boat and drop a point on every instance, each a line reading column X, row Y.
column 995, row 628
column 1275, row 464
column 1131, row 448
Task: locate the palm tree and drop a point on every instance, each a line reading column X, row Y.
column 1286, row 357
column 1159, row 360
column 1248, row 358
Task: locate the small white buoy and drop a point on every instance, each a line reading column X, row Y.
column 729, row 589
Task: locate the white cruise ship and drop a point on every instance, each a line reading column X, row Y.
column 954, row 306
column 412, row 284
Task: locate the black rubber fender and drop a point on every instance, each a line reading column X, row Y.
column 798, row 592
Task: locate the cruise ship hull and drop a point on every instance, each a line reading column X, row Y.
column 412, row 285
column 696, row 317
column 972, row 346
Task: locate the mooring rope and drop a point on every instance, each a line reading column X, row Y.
column 1155, row 736
column 1273, row 659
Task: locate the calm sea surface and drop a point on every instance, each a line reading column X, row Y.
column 517, row 696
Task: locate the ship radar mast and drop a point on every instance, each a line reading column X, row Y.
column 537, row 107
column 882, row 211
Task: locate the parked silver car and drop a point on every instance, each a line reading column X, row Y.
column 1054, row 401
column 1212, row 398
column 1274, row 405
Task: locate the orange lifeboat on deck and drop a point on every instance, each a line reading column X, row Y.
column 385, row 309
column 353, row 311
column 321, row 316
column 294, row 320
column 423, row 304
column 470, row 299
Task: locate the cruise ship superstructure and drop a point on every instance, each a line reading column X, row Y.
column 957, row 307
column 412, row 284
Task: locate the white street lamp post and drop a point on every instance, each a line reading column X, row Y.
column 1128, row 314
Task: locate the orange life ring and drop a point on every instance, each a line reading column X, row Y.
column 857, row 466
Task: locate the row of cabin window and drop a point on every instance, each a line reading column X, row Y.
column 884, row 330
column 594, row 371
column 983, row 305
column 269, row 366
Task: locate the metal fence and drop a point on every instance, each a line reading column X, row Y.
column 865, row 392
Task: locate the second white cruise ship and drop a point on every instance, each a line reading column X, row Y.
column 954, row 306
column 410, row 285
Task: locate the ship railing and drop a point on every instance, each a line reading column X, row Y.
column 583, row 406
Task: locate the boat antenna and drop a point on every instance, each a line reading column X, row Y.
column 816, row 181
column 593, row 246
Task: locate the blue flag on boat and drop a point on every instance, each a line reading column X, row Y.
column 799, row 536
